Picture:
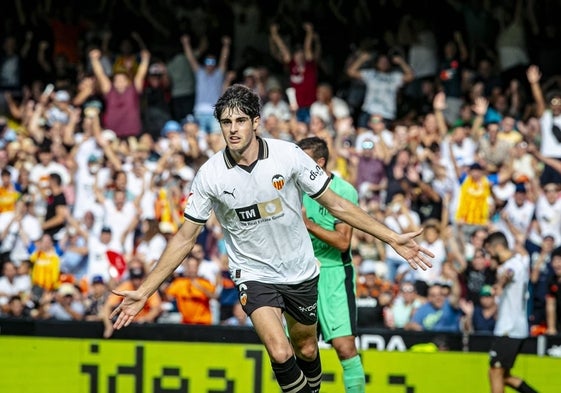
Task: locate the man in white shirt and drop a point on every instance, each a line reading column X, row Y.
column 511, row 292
column 11, row 284
column 255, row 187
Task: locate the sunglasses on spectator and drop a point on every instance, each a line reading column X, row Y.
column 407, row 289
column 555, row 101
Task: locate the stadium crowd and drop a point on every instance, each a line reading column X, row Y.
column 454, row 127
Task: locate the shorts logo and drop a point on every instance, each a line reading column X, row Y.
column 243, row 294
column 278, row 182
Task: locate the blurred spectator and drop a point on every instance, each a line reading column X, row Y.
column 119, row 217
column 100, row 248
column 209, row 82
column 8, row 193
column 400, row 219
column 330, row 108
column 182, row 82
column 155, row 108
column 516, row 216
column 46, row 264
column 440, row 313
column 19, row 231
column 56, row 208
column 239, row 317
column 540, row 275
column 17, row 308
column 382, row 84
column 373, row 296
column 67, row 305
column 148, row 314
column 98, row 293
column 548, row 110
column 151, row 243
column 547, row 217
column 122, row 95
column 12, row 284
column 403, row 306
column 481, row 316
column 475, row 274
column 432, row 241
column 553, row 297
column 74, row 260
column 275, row 104
column 192, row 294
column 301, row 63
column 228, row 296
column 473, row 204
column 11, row 67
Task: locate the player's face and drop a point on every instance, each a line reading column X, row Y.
column 238, row 130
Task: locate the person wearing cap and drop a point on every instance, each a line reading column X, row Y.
column 441, row 312
column 254, row 187
column 68, row 305
column 480, row 317
column 331, row 240
column 98, row 292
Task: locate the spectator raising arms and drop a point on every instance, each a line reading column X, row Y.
column 122, row 95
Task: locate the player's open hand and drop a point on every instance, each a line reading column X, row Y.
column 415, row 255
column 131, row 305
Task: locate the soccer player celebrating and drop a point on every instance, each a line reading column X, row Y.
column 254, row 187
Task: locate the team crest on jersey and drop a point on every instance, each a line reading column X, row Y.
column 278, row 182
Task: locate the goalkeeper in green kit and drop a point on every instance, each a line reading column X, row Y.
column 331, row 239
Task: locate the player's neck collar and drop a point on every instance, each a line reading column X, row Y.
column 261, row 155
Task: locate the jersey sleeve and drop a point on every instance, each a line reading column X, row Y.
column 310, row 176
column 199, row 205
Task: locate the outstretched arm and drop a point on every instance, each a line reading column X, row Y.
column 176, row 251
column 353, row 215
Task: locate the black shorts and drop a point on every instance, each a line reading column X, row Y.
column 297, row 300
column 504, row 351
